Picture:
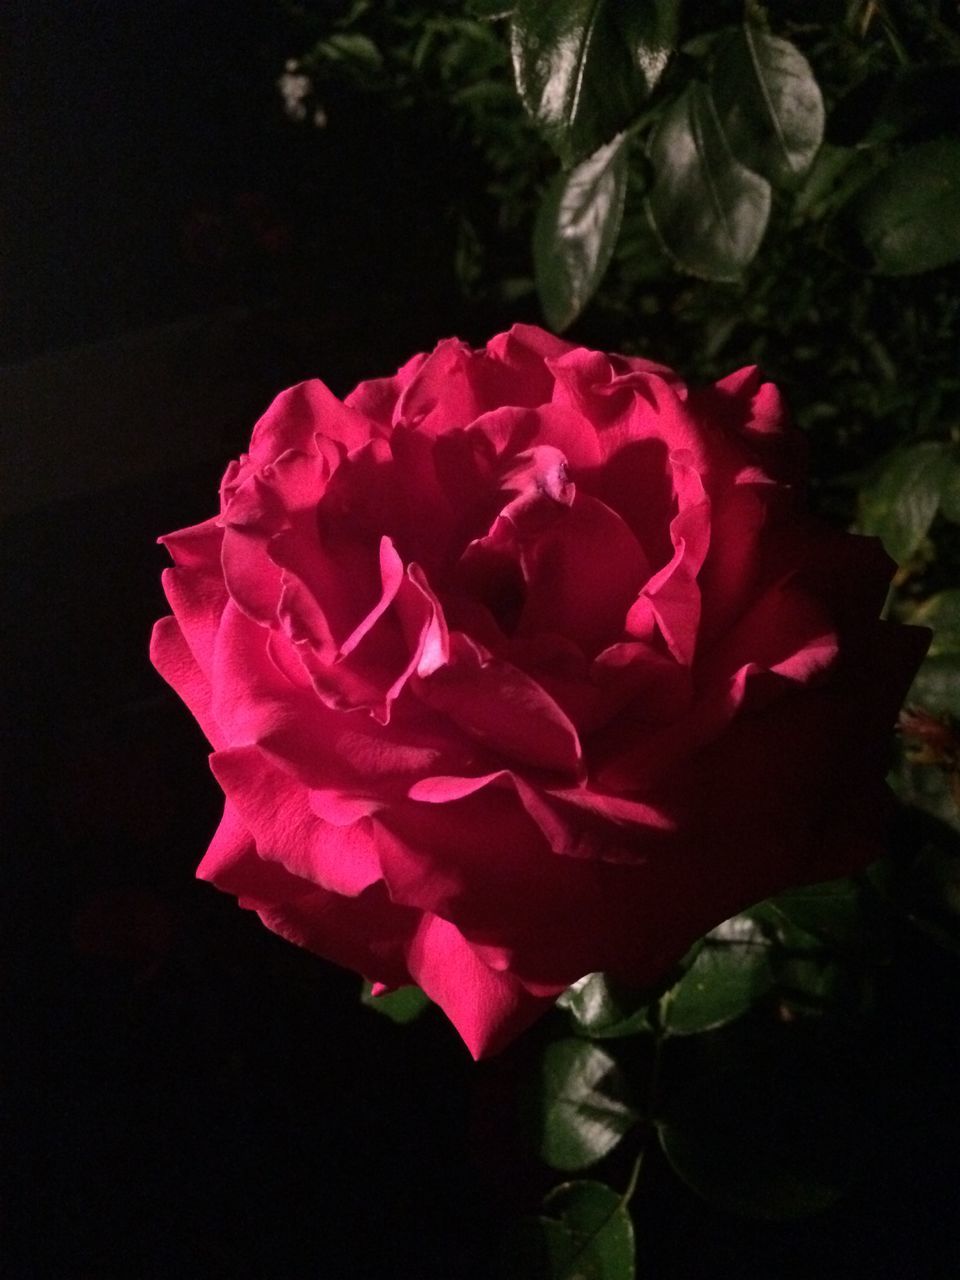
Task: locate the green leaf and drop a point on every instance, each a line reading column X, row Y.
column 901, row 498
column 588, row 1233
column 909, row 215
column 584, row 67
column 769, row 1131
column 811, row 982
column 942, row 614
column 709, row 211
column 730, row 973
column 769, row 104
column 584, row 1111
column 576, row 230
column 402, row 1005
column 602, row 1013
column 830, row 911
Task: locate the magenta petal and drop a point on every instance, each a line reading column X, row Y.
column 582, row 574
column 367, row 933
column 173, row 658
column 502, row 708
column 198, row 599
column 233, row 865
column 300, row 413
column 197, row 547
column 342, row 859
column 377, row 398
column 488, row 1009
column 441, row 394
column 671, row 598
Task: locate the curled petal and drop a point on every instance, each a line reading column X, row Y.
column 488, row 1008
column 341, row 859
column 302, row 412
column 173, row 658
column 503, row 709
column 581, row 576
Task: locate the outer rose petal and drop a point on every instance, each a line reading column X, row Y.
column 172, row 657
column 525, row 663
column 285, row 828
column 489, row 1009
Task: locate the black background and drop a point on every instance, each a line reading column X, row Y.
column 186, row 1094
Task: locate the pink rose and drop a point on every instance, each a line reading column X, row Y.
column 527, row 663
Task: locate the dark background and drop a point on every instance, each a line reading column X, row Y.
column 185, row 1093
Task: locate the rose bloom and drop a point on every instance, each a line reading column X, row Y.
column 526, row 663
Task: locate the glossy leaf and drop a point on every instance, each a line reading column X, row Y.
column 576, row 231
column 709, row 211
column 584, row 1111
column 901, row 498
column 909, row 215
column 768, row 1132
column 602, row 1013
column 942, row 614
column 584, row 67
column 769, row 104
column 730, row 973
column 402, row 1005
column 588, row 1233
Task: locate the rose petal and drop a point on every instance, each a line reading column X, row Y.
column 341, row 859
column 377, row 398
column 488, row 1009
column 671, row 598
column 298, row 414
column 173, row 658
column 368, row 933
column 582, row 574
column 499, row 706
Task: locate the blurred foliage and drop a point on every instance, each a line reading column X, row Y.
column 714, row 186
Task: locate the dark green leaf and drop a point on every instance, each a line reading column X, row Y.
column 769, row 104
column 769, row 1131
column 708, row 210
column 588, row 1233
column 576, row 230
column 835, row 177
column 602, row 1013
column 811, row 982
column 584, row 1111
column 730, row 973
column 909, row 215
column 900, row 499
column 831, row 911
column 584, row 67
column 402, row 1005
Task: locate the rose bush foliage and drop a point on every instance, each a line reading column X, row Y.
column 528, row 662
